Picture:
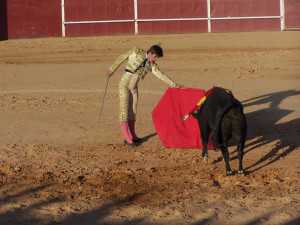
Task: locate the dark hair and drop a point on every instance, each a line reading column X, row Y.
column 156, row 49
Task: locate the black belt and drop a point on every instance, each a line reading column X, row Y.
column 142, row 65
column 129, row 71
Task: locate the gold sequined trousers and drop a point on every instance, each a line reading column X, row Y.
column 128, row 96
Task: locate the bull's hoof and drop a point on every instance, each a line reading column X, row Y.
column 228, row 173
column 241, row 173
column 205, row 159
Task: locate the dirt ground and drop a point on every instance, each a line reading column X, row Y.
column 60, row 165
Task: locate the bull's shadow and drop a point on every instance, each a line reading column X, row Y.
column 264, row 128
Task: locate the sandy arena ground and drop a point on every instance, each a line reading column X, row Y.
column 59, row 165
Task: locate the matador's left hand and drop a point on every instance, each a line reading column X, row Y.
column 109, row 73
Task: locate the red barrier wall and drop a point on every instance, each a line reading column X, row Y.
column 245, row 25
column 99, row 10
column 167, row 9
column 244, row 8
column 32, row 18
column 292, row 14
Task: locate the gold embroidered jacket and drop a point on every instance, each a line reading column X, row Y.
column 136, row 57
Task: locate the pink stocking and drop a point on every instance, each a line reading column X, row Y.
column 124, row 127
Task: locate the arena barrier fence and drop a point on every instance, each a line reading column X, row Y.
column 216, row 16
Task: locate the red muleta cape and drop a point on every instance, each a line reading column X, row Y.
column 167, row 116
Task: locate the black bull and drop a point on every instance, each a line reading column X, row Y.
column 222, row 116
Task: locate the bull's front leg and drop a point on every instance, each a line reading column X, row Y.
column 225, row 154
column 204, row 153
column 205, row 137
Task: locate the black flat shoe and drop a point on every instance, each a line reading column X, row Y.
column 129, row 144
column 139, row 140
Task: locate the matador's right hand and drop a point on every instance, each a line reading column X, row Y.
column 109, row 73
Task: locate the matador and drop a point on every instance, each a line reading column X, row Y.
column 139, row 64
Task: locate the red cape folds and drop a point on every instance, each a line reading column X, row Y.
column 167, row 116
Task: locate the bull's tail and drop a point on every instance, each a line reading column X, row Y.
column 216, row 128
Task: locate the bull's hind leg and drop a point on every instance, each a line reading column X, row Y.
column 225, row 154
column 241, row 128
column 224, row 136
column 240, row 149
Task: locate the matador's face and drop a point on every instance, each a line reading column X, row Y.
column 152, row 57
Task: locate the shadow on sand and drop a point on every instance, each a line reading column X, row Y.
column 104, row 214
column 26, row 214
column 263, row 128
column 146, row 138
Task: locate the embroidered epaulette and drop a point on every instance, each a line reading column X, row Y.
column 139, row 51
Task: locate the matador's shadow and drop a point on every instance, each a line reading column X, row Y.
column 264, row 129
column 146, row 138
